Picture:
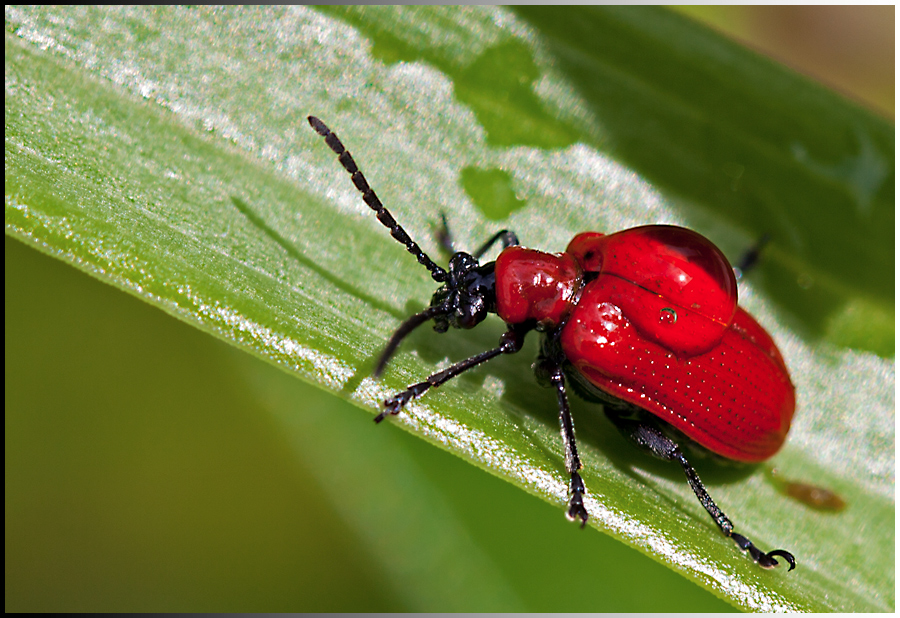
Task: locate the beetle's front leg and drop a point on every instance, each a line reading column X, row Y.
column 510, row 343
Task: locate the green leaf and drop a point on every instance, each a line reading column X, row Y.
column 166, row 152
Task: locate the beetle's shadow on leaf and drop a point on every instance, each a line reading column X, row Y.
column 257, row 220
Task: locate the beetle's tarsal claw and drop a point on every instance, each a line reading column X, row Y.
column 766, row 561
column 576, row 510
column 393, row 405
column 788, row 556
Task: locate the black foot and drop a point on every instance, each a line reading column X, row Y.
column 394, row 404
column 576, row 510
column 398, row 401
column 767, row 561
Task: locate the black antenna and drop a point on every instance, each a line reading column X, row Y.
column 369, row 197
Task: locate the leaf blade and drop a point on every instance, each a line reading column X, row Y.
column 224, row 241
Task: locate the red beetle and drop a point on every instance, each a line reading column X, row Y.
column 644, row 321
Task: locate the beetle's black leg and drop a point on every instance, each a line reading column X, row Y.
column 510, row 343
column 553, row 373
column 506, row 238
column 406, row 328
column 750, row 257
column 661, row 446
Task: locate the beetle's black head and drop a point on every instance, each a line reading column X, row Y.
column 467, row 296
column 463, row 301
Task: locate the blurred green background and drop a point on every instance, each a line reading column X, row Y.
column 194, row 500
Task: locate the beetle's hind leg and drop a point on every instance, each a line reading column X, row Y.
column 659, row 445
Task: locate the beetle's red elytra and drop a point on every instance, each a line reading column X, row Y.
column 649, row 316
column 644, row 321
